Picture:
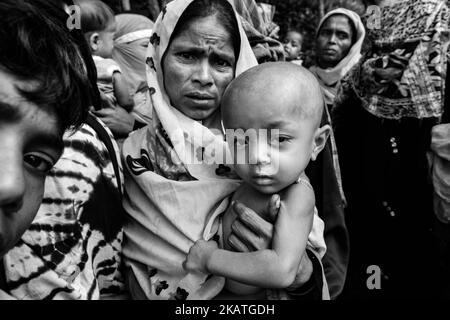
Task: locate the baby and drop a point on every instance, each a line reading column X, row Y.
column 98, row 25
column 286, row 98
column 293, row 47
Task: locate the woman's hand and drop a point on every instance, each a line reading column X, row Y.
column 117, row 119
column 198, row 256
column 250, row 232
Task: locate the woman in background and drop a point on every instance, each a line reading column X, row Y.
column 131, row 40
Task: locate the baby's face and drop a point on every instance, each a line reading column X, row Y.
column 293, row 45
column 278, row 143
column 106, row 42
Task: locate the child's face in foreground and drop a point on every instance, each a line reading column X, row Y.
column 275, row 161
column 293, row 45
column 30, row 144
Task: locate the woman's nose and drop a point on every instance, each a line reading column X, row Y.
column 12, row 180
column 203, row 74
column 332, row 38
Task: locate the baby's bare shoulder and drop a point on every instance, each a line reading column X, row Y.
column 298, row 198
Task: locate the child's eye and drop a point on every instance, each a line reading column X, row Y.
column 280, row 140
column 39, row 163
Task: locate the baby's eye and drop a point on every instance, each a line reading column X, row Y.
column 280, row 140
column 39, row 163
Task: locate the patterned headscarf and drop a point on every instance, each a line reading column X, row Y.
column 403, row 75
column 181, row 130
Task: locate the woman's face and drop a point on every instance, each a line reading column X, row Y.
column 198, row 66
column 334, row 41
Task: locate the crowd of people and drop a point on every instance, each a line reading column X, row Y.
column 194, row 157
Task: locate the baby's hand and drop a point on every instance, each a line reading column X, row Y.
column 198, row 256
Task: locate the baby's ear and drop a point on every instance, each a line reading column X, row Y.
column 320, row 139
column 93, row 41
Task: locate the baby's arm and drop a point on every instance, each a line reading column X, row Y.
column 270, row 268
column 122, row 92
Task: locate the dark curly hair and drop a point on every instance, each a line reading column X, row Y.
column 39, row 47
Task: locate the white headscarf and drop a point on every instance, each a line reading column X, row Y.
column 183, row 131
column 329, row 78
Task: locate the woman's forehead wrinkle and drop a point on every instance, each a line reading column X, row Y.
column 213, row 39
column 213, row 43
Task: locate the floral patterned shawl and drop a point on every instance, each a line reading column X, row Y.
column 403, row 75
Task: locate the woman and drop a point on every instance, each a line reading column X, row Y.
column 340, row 36
column 339, row 39
column 264, row 46
column 174, row 187
column 383, row 118
column 131, row 40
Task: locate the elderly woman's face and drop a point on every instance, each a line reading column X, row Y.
column 334, row 41
column 198, row 66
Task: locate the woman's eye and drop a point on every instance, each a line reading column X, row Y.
column 186, row 56
column 38, row 163
column 222, row 63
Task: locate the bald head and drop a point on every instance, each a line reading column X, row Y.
column 274, row 89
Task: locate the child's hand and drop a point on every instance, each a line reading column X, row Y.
column 198, row 256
